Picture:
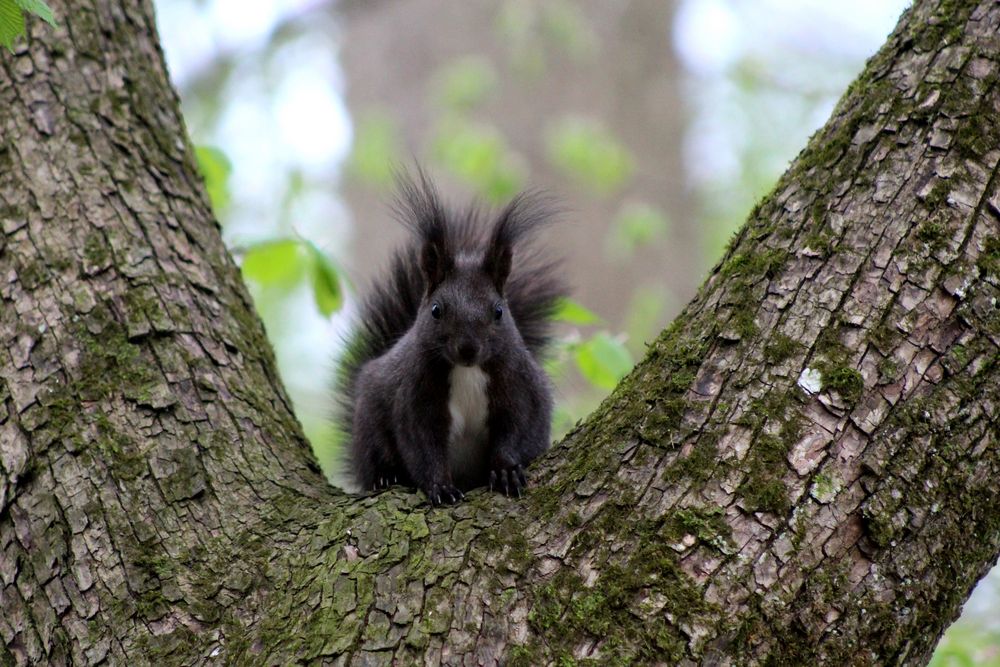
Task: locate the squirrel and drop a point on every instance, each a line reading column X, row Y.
column 441, row 385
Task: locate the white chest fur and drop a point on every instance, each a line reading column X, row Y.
column 469, row 408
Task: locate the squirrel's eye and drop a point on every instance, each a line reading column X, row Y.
column 497, row 312
column 436, row 311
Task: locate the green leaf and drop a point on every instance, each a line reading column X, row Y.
column 325, row 282
column 11, row 23
column 39, row 9
column 281, row 263
column 603, row 360
column 215, row 168
column 572, row 312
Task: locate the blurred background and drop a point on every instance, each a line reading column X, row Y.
column 658, row 123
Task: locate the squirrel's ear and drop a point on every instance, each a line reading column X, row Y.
column 517, row 219
column 497, row 261
column 418, row 207
column 435, row 262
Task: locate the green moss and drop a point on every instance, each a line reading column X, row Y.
column 764, row 492
column 766, row 263
column 96, row 251
column 777, row 408
column 32, row 274
column 938, row 196
column 523, row 655
column 780, row 347
column 879, row 527
column 776, row 426
column 956, row 359
column 821, row 242
column 829, row 346
column 662, row 380
column 563, row 609
column 845, row 381
column 706, row 524
column 934, row 234
column 888, row 370
column 507, row 541
column 885, row 334
column 988, row 261
column 110, row 364
column 833, row 363
column 164, row 649
column 743, row 322
column 698, row 465
column 824, row 488
column 977, row 132
column 945, row 27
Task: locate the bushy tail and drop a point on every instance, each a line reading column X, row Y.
column 533, row 289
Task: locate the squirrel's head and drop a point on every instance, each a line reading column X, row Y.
column 465, row 267
column 466, row 314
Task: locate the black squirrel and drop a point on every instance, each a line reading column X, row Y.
column 441, row 385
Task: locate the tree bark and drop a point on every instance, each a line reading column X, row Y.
column 801, row 471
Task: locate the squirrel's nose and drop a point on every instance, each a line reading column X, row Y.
column 467, row 352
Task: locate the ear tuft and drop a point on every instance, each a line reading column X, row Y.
column 497, row 263
column 418, row 206
column 518, row 220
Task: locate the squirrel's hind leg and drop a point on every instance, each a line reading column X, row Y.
column 376, row 464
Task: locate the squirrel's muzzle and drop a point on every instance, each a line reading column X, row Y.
column 467, row 353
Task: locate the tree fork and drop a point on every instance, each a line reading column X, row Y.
column 802, row 470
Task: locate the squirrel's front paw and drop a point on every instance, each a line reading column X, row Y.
column 509, row 481
column 384, row 481
column 444, row 494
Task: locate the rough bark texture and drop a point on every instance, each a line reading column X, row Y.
column 143, row 429
column 158, row 503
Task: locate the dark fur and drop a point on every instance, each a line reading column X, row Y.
column 394, row 382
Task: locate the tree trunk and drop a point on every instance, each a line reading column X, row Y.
column 802, row 470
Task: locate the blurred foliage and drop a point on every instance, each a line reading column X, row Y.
column 589, row 154
column 375, row 148
column 282, row 264
column 325, row 282
column 479, row 155
column 571, row 312
column 534, row 30
column 465, row 84
column 12, row 24
column 216, row 169
column 645, row 313
column 968, row 644
column 602, row 359
column 637, row 224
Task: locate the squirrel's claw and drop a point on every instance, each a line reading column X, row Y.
column 384, row 481
column 445, row 494
column 509, row 481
